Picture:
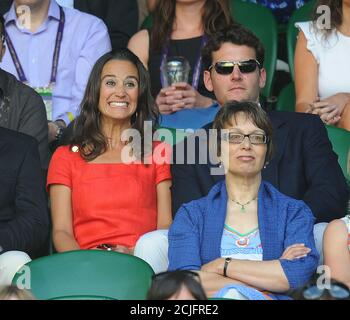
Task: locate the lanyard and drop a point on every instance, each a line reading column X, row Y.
column 198, row 66
column 56, row 54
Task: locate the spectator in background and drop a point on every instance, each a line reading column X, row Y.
column 21, row 108
column 180, row 28
column 322, row 65
column 120, row 16
column 24, row 218
column 176, row 285
column 98, row 200
column 53, row 50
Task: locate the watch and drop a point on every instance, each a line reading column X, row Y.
column 59, row 133
column 60, row 129
column 227, row 261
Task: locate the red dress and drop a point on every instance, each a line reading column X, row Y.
column 112, row 203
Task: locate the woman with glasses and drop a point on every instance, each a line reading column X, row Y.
column 322, row 65
column 336, row 249
column 245, row 235
column 112, row 184
column 180, row 28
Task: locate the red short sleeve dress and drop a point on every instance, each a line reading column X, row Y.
column 112, row 203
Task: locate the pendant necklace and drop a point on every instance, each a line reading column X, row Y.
column 243, row 204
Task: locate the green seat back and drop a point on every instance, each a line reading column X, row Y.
column 88, row 273
column 286, row 98
column 340, row 139
column 302, row 14
column 83, row 297
column 147, row 23
column 263, row 23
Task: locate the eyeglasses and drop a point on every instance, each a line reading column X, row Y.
column 226, row 67
column 337, row 291
column 2, row 38
column 238, row 138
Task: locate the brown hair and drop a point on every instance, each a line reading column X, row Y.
column 87, row 132
column 13, row 293
column 253, row 111
column 235, row 34
column 336, row 8
column 216, row 15
column 2, row 25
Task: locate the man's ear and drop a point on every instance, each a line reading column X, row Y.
column 262, row 78
column 207, row 80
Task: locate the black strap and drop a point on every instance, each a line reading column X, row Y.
column 227, row 261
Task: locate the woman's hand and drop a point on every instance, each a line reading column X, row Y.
column 330, row 109
column 116, row 248
column 215, row 266
column 190, row 97
column 166, row 100
column 179, row 96
column 295, row 251
column 123, row 249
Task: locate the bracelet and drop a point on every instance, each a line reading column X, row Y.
column 227, row 261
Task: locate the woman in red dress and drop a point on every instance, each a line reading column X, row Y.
column 106, row 189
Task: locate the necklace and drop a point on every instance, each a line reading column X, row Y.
column 243, row 204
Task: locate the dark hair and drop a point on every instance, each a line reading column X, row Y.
column 253, row 111
column 216, row 15
column 235, row 34
column 2, row 24
column 166, row 284
column 336, row 8
column 87, row 133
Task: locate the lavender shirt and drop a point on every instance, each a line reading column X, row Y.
column 85, row 39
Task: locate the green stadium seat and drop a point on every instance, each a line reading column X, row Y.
column 340, row 139
column 286, row 98
column 82, row 273
column 300, row 15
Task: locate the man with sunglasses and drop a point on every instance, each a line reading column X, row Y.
column 304, row 165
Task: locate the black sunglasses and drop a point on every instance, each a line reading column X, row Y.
column 226, row 67
column 337, row 290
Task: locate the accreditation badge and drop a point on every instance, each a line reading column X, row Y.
column 46, row 95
